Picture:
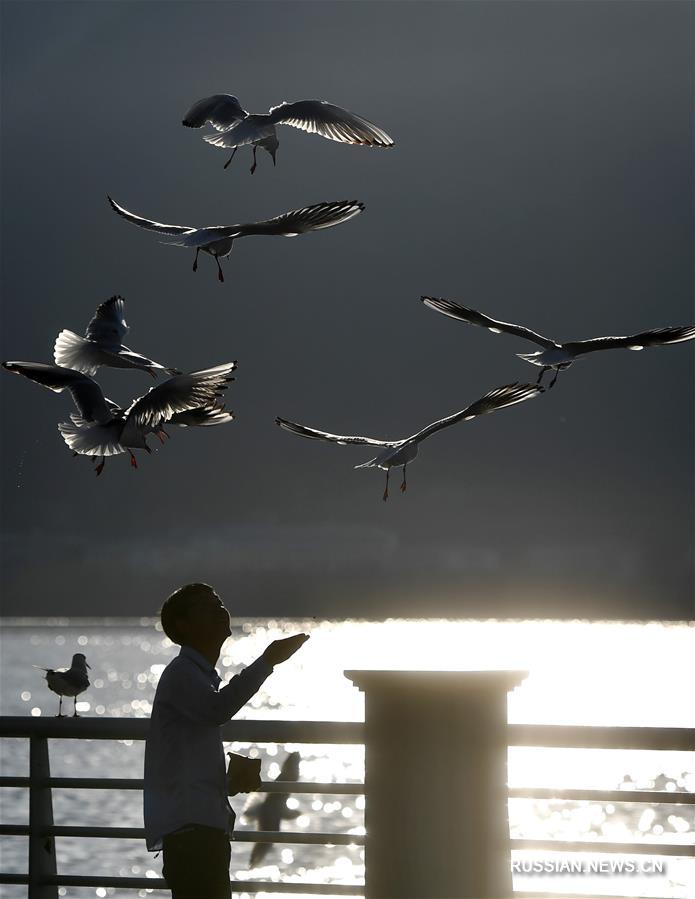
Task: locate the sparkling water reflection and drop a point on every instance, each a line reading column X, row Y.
column 579, row 673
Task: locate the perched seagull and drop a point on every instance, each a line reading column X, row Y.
column 401, row 452
column 102, row 345
column 560, row 356
column 68, row 681
column 217, row 240
column 271, row 811
column 238, row 128
column 102, row 428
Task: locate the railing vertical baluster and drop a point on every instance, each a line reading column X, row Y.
column 42, row 855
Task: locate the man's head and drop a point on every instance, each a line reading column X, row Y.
column 194, row 615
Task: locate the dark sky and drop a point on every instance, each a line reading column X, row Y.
column 543, row 173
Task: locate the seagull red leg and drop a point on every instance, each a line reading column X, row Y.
column 195, row 261
column 100, row 466
column 231, row 157
column 386, row 489
column 253, row 167
column 220, row 276
column 404, row 485
column 74, row 708
column 133, row 460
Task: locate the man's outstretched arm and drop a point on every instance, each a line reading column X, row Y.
column 195, row 698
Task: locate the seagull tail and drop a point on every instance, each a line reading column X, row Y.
column 371, row 464
column 92, row 439
column 72, row 351
column 530, row 357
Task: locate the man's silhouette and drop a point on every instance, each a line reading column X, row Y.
column 187, row 813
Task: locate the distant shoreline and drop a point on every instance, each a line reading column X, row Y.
column 145, row 621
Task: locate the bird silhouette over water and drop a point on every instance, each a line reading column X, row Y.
column 238, row 128
column 555, row 355
column 102, row 428
column 397, row 453
column 102, row 345
column 218, row 240
column 271, row 811
column 68, row 681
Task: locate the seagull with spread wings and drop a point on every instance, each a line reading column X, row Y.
column 217, row 240
column 102, row 428
column 554, row 355
column 236, row 127
column 395, row 453
column 102, row 345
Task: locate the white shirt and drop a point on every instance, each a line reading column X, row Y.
column 185, row 774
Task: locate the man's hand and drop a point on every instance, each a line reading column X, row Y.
column 281, row 650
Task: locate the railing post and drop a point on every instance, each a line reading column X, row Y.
column 42, row 856
column 436, row 783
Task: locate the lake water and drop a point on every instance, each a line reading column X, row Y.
column 604, row 673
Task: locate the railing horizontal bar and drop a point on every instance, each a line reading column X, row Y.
column 590, row 737
column 287, row 836
column 309, row 889
column 657, row 797
column 138, row 833
column 654, row 797
column 343, row 789
column 685, row 851
column 556, row 895
column 132, row 783
column 346, row 732
column 243, row 731
column 257, row 886
column 238, row 886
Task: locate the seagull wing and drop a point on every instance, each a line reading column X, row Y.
column 313, row 434
column 472, row 317
column 495, row 399
column 297, row 221
column 85, row 391
column 179, row 394
column 220, row 110
column 657, row 337
column 332, row 122
column 202, row 417
column 108, row 326
column 147, row 223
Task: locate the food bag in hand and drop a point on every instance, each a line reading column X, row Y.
column 243, row 774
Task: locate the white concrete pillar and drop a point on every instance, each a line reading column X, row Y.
column 436, row 783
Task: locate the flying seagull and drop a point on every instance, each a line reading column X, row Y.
column 237, row 128
column 68, row 681
column 271, row 811
column 560, row 356
column 217, row 240
column 102, row 345
column 400, row 452
column 102, row 428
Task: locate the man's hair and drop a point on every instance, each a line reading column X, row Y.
column 178, row 605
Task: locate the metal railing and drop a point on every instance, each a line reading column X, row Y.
column 43, row 878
